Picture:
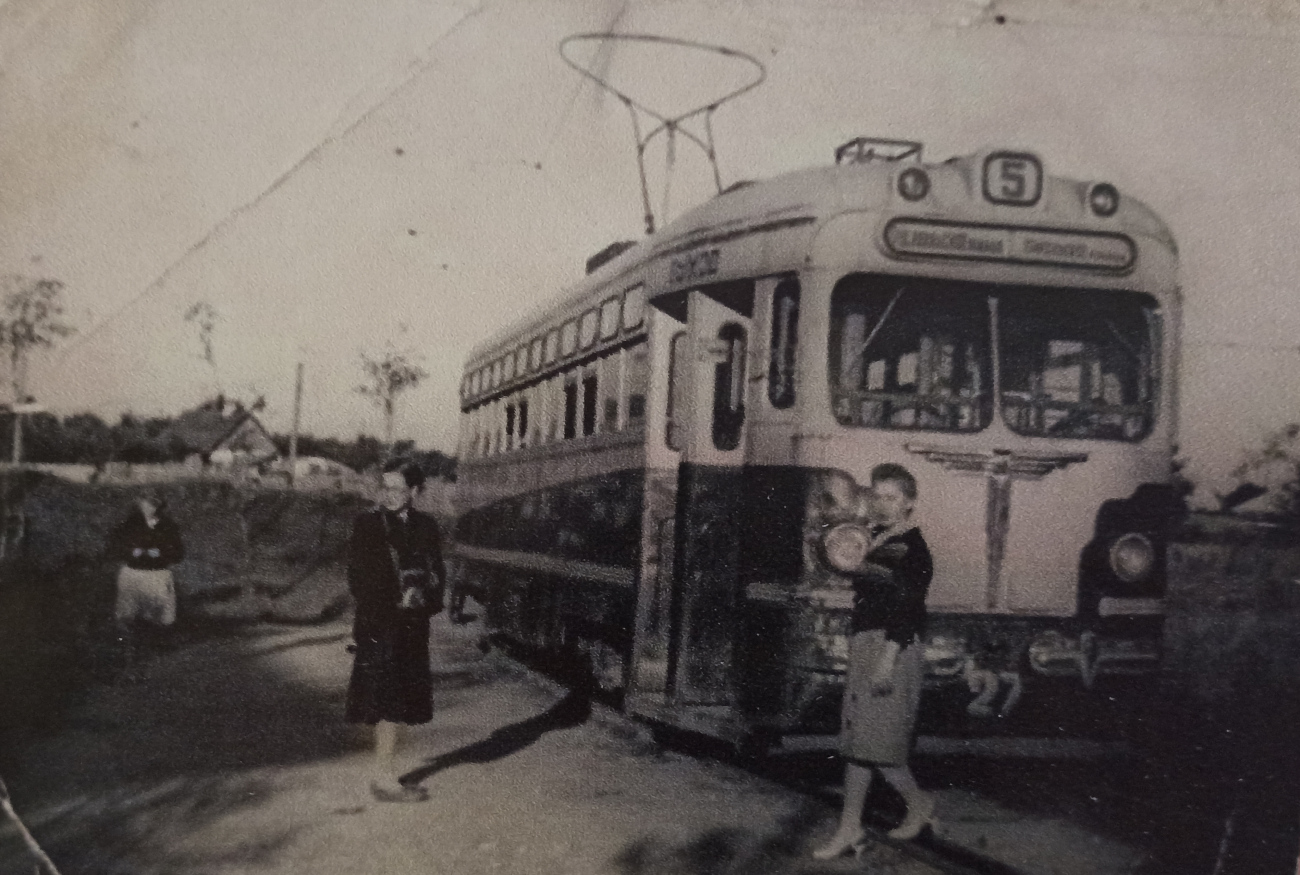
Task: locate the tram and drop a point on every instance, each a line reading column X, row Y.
column 649, row 465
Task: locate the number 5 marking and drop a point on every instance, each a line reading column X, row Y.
column 1014, row 178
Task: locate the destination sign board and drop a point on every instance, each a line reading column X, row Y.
column 696, row 265
column 1003, row 243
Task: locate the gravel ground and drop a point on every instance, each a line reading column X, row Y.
column 229, row 755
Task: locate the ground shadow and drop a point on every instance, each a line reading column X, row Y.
column 135, row 768
column 572, row 710
column 785, row 849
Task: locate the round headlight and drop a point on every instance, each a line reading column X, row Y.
column 913, row 184
column 1103, row 199
column 846, row 547
column 1132, row 557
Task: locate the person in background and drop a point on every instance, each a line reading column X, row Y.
column 882, row 689
column 147, row 543
column 396, row 577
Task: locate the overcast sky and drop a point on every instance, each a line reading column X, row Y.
column 333, row 175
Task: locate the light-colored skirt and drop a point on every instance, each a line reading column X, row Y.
column 145, row 595
column 878, row 729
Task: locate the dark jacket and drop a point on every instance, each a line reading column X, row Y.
column 890, row 593
column 373, row 569
column 137, row 545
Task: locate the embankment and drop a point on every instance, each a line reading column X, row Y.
column 250, row 554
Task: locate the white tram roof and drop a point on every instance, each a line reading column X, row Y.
column 816, row 194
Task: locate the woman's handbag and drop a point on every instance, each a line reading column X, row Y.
column 415, row 585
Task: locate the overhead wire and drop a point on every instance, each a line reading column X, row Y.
column 421, row 65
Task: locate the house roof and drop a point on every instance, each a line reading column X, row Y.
column 205, row 428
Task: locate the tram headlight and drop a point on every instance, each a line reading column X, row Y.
column 913, row 184
column 1103, row 199
column 845, row 546
column 1132, row 557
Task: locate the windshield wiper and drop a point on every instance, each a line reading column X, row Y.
column 889, row 308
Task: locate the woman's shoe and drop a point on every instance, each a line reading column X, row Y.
column 840, row 845
column 917, row 819
column 400, row 793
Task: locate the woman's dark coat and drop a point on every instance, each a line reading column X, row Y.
column 135, row 544
column 391, row 680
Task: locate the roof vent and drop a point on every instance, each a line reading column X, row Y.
column 608, row 254
column 865, row 150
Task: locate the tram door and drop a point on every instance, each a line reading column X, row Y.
column 710, row 431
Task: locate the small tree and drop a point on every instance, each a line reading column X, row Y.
column 1276, row 468
column 32, row 317
column 388, row 375
column 206, row 318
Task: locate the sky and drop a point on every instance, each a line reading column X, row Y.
column 334, row 176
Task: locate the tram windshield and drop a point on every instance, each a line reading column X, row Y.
column 908, row 353
column 914, row 353
column 1078, row 364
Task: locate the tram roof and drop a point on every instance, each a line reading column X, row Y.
column 818, row 193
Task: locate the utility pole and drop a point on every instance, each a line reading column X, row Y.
column 21, row 408
column 293, row 435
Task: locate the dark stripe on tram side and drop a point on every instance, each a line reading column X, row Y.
column 540, row 563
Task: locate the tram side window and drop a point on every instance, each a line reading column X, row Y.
column 569, row 338
column 510, row 427
column 1078, row 363
column 783, row 348
column 523, row 423
column 633, row 307
column 555, row 406
column 590, row 386
column 588, row 328
column 609, row 381
column 909, row 353
column 609, row 316
column 677, row 373
column 729, row 388
column 636, row 380
column 570, row 409
column 537, row 436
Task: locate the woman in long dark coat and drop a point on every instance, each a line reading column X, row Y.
column 396, row 576
column 886, row 663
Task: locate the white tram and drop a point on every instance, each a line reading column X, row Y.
column 647, row 465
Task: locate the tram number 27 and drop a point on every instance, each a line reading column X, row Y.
column 1013, row 178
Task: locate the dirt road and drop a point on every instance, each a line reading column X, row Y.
column 230, row 756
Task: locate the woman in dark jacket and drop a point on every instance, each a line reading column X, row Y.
column 148, row 544
column 886, row 663
column 396, row 576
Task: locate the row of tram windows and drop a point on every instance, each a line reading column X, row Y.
column 912, row 353
column 616, row 315
column 602, row 396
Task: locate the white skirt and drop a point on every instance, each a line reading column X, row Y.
column 148, row 595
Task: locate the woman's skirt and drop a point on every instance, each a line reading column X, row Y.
column 145, row 595
column 878, row 729
column 391, row 679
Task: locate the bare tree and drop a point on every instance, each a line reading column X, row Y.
column 207, row 317
column 32, row 317
column 388, row 375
